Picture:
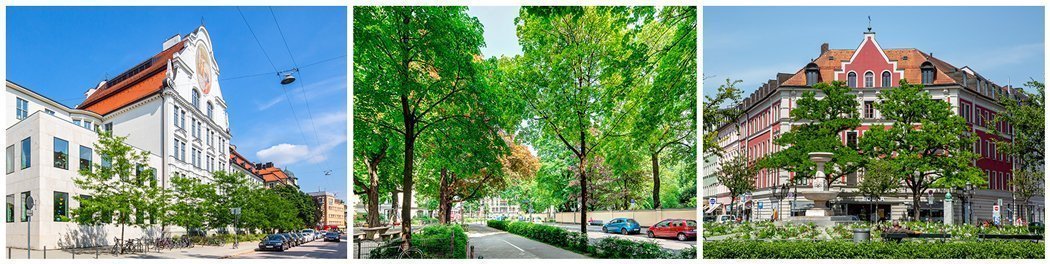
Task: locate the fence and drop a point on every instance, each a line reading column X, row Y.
column 644, row 217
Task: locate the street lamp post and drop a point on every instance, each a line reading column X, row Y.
column 969, row 193
column 29, row 222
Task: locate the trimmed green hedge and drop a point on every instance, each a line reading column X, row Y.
column 609, row 248
column 746, row 249
column 433, row 241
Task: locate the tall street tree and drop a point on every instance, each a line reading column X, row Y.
column 880, row 178
column 926, row 141
column 738, row 175
column 576, row 72
column 824, row 121
column 123, row 189
column 413, row 68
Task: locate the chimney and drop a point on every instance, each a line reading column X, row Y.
column 172, row 41
column 823, row 48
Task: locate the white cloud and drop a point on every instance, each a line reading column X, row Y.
column 284, row 154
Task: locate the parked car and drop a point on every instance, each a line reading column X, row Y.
column 300, row 237
column 331, row 236
column 291, row 240
column 681, row 229
column 310, row 233
column 726, row 219
column 274, row 242
column 623, row 226
column 594, row 222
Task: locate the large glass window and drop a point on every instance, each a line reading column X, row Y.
column 869, row 109
column 10, row 208
column 85, row 158
column 26, row 152
column 21, row 108
column 210, row 109
column 61, row 153
column 175, row 118
column 106, row 161
column 61, row 207
column 869, row 79
column 25, row 209
column 851, row 80
column 10, row 158
column 196, row 99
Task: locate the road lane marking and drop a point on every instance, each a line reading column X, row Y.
column 508, row 243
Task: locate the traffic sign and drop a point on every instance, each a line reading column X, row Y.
column 995, row 214
column 711, row 201
column 760, row 205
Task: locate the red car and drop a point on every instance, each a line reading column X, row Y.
column 678, row 228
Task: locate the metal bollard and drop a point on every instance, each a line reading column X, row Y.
column 96, row 252
column 45, row 252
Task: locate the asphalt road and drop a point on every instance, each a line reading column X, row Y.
column 317, row 249
column 594, row 232
column 490, row 243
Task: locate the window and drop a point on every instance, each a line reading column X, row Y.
column 49, row 111
column 175, row 150
column 21, row 108
column 193, row 157
column 175, row 119
column 182, row 118
column 196, row 99
column 210, row 108
column 108, row 127
column 25, row 210
column 210, row 162
column 869, row 109
column 10, row 159
column 851, row 139
column 85, row 158
column 193, row 130
column 182, row 151
column 10, row 208
column 106, row 161
column 26, row 152
column 197, row 132
column 89, row 125
column 887, row 79
column 927, row 73
column 869, row 79
column 61, row 153
column 61, row 207
column 77, row 122
column 812, row 74
column 851, row 80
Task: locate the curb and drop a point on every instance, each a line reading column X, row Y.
column 246, row 251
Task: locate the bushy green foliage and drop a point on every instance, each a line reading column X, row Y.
column 609, row 248
column 435, row 242
column 619, row 248
column 497, row 224
column 551, row 235
column 744, row 249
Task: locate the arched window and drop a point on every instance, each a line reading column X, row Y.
column 851, row 80
column 196, row 99
column 812, row 74
column 886, row 79
column 209, row 110
column 869, row 79
column 927, row 73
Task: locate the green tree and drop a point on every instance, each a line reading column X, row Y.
column 738, row 175
column 924, row 141
column 123, row 190
column 823, row 121
column 191, row 202
column 304, row 207
column 880, row 178
column 1024, row 112
column 718, row 111
column 577, row 69
column 413, row 68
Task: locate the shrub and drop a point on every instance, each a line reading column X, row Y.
column 742, row 249
column 497, row 224
column 437, row 241
column 618, row 248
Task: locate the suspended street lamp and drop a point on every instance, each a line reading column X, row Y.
column 288, row 77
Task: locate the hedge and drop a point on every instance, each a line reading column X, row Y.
column 433, row 241
column 612, row 248
column 749, row 249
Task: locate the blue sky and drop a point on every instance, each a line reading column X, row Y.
column 62, row 51
column 753, row 44
column 501, row 37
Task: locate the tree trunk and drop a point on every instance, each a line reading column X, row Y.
column 393, row 206
column 656, row 180
column 373, row 193
column 444, row 201
column 583, row 194
column 406, row 185
column 915, row 194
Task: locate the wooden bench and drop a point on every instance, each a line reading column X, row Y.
column 371, row 232
column 389, row 235
column 1010, row 237
column 898, row 237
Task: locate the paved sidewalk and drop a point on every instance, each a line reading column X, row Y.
column 195, row 252
column 490, row 243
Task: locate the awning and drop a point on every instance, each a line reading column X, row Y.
column 711, row 209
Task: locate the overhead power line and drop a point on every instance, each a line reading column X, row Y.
column 302, row 87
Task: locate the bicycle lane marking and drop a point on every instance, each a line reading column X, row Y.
column 508, row 243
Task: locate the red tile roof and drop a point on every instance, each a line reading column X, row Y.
column 831, row 61
column 133, row 85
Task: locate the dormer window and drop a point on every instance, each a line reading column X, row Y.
column 869, row 79
column 196, row 99
column 927, row 73
column 887, row 79
column 812, row 74
column 851, row 80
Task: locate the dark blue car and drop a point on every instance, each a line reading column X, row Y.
column 623, row 226
column 274, row 242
